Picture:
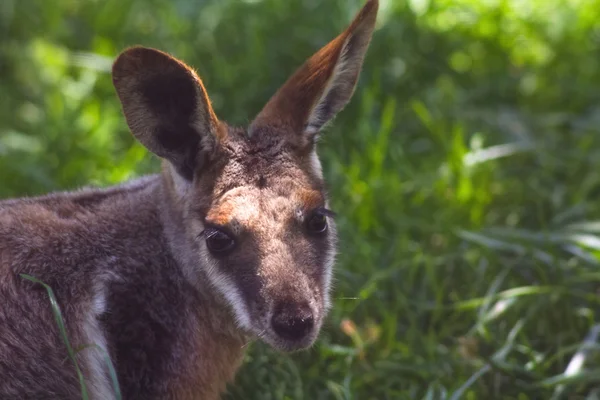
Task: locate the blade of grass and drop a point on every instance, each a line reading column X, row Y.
column 61, row 326
column 575, row 368
column 499, row 356
column 63, row 331
column 111, row 369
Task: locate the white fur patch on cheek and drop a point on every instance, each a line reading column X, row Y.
column 328, row 273
column 315, row 164
column 228, row 289
column 329, row 262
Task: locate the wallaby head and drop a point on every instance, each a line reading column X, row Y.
column 247, row 207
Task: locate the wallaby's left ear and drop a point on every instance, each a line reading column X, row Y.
column 323, row 85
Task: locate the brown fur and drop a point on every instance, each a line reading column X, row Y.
column 131, row 266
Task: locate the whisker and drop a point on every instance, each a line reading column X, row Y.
column 259, row 335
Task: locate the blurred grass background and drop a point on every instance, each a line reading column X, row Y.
column 466, row 172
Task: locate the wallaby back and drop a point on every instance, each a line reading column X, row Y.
column 173, row 274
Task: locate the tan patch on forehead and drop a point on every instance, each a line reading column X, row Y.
column 243, row 207
column 221, row 215
column 237, row 207
column 310, row 199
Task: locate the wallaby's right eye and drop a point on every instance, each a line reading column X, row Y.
column 218, row 242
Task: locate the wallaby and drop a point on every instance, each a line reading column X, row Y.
column 173, row 274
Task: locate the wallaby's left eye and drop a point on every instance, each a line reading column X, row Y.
column 317, row 223
column 218, row 242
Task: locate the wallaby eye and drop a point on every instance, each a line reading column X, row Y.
column 317, row 223
column 218, row 242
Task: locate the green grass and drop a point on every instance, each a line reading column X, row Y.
column 465, row 172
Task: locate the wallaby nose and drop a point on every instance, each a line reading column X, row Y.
column 292, row 322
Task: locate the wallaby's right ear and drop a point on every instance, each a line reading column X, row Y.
column 322, row 86
column 166, row 106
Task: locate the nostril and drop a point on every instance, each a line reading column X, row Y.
column 292, row 325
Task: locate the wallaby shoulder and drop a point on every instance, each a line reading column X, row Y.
column 104, row 254
column 76, row 233
column 70, row 242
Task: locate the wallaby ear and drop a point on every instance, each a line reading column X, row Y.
column 166, row 106
column 323, row 85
